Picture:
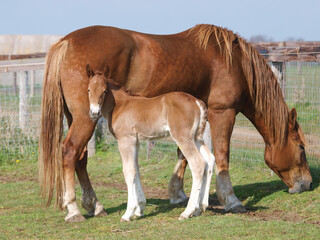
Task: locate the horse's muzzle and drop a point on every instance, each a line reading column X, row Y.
column 301, row 186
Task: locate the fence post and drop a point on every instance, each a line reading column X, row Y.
column 92, row 145
column 23, row 100
column 31, row 76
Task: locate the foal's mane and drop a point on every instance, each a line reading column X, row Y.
column 264, row 89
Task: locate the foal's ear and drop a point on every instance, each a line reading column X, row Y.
column 89, row 71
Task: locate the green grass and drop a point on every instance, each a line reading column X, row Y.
column 273, row 212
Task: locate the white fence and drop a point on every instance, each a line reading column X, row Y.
column 20, row 100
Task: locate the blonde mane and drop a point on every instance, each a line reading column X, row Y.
column 264, row 89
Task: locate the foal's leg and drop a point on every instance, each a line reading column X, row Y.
column 128, row 148
column 176, row 192
column 209, row 158
column 73, row 145
column 199, row 178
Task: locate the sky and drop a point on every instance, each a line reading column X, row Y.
column 276, row 20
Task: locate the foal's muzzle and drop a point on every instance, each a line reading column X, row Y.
column 95, row 111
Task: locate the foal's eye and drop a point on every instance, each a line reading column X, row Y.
column 301, row 147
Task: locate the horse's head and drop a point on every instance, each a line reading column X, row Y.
column 97, row 89
column 289, row 162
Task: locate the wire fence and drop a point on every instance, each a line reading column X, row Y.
column 20, row 101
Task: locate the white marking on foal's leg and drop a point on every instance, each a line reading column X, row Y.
column 136, row 199
column 199, row 178
column 210, row 159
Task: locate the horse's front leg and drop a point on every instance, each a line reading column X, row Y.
column 221, row 123
column 89, row 199
column 128, row 148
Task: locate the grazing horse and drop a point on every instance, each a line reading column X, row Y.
column 209, row 62
column 132, row 119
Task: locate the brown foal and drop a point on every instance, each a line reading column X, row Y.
column 133, row 119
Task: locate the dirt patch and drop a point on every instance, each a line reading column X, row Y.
column 8, row 179
column 150, row 192
column 280, row 215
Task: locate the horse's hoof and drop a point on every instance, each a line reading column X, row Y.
column 75, row 219
column 179, row 201
column 237, row 209
column 103, row 213
column 198, row 212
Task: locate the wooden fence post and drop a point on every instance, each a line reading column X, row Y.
column 92, row 145
column 23, row 100
column 31, row 76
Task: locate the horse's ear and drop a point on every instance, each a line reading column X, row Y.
column 293, row 117
column 89, row 71
column 107, row 71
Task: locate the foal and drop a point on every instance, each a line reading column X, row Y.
column 132, row 119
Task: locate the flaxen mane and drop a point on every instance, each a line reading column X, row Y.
column 264, row 88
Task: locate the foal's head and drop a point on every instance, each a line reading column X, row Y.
column 97, row 89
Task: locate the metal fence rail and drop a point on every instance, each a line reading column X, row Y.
column 20, row 101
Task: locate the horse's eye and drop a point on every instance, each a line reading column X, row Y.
column 301, row 147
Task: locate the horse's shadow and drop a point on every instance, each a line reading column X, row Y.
column 253, row 193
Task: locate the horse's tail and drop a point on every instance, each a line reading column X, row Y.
column 51, row 133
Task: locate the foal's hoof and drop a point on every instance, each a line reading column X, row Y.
column 237, row 209
column 182, row 218
column 124, row 220
column 75, row 219
column 103, row 213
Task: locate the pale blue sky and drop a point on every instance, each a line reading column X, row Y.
column 276, row 19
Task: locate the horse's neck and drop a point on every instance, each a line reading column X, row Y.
column 258, row 121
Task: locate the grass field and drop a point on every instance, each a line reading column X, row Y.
column 273, row 212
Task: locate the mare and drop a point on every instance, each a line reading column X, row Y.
column 209, row 62
column 132, row 119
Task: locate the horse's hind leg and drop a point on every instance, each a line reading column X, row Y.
column 73, row 145
column 176, row 192
column 128, row 148
column 89, row 199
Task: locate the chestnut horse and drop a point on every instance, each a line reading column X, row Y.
column 134, row 118
column 209, row 62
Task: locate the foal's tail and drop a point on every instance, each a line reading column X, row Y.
column 51, row 133
column 203, row 119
